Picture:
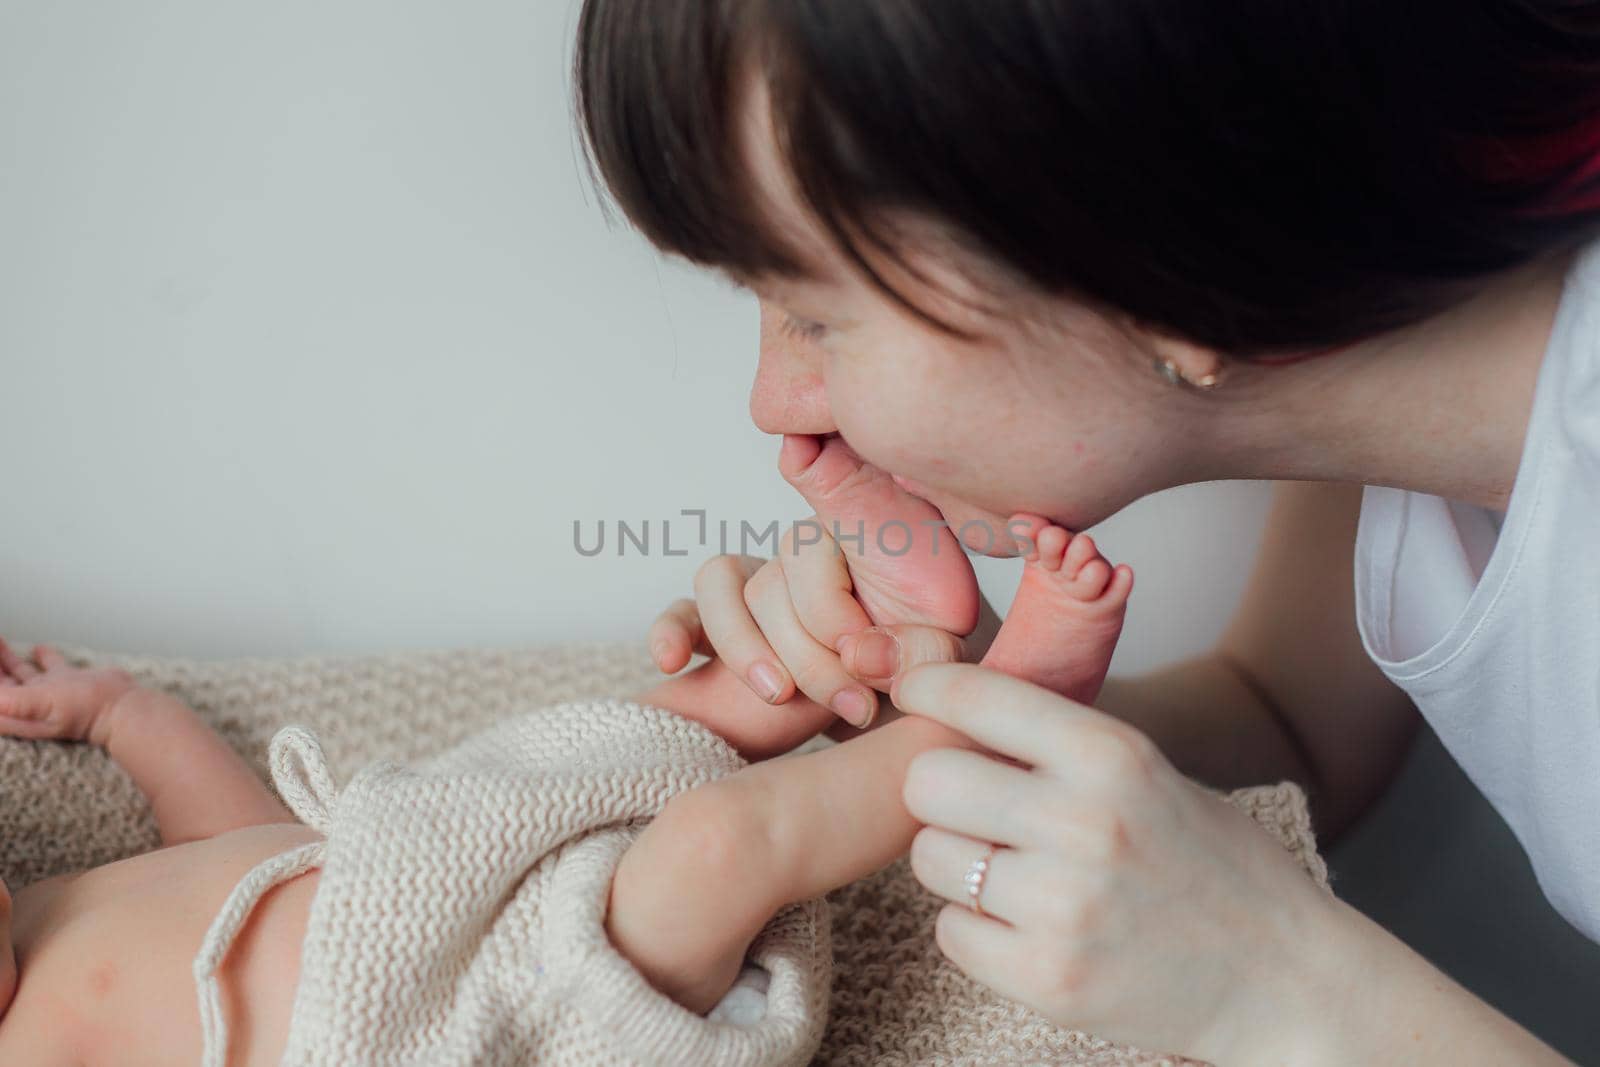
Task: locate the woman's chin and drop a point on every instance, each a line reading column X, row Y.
column 984, row 532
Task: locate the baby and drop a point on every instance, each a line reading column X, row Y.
column 101, row 967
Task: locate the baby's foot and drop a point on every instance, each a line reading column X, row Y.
column 1067, row 615
column 905, row 564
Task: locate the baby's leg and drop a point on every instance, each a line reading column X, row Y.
column 705, row 877
column 718, row 699
column 721, row 860
column 1067, row 615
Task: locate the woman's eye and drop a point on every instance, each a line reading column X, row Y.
column 804, row 329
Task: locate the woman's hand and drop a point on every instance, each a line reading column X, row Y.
column 1123, row 899
column 792, row 624
column 834, row 618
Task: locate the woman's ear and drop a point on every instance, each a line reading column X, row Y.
column 1196, row 364
column 1175, row 356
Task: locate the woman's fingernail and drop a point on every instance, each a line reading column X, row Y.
column 767, row 681
column 854, row 706
column 877, row 655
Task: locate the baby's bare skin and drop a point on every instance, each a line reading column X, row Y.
column 105, row 958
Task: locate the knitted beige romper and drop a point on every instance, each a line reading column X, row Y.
column 459, row 918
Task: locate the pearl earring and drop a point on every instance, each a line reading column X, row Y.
column 1169, row 370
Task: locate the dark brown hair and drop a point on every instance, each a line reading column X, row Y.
column 1256, row 175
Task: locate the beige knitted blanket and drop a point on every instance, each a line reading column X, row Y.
column 895, row 1000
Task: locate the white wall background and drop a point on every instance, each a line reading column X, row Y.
column 314, row 338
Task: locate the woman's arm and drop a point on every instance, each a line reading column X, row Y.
column 1380, row 1002
column 1289, row 691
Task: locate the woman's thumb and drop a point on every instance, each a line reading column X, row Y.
column 880, row 654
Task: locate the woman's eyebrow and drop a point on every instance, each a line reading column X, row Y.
column 780, row 289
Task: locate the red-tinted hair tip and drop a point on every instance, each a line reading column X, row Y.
column 1564, row 166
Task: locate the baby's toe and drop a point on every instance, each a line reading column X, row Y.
column 1092, row 580
column 1052, row 547
column 1080, row 552
column 1024, row 530
column 1121, row 586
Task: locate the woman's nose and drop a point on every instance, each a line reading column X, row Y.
column 788, row 395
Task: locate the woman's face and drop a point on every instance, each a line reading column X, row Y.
column 1067, row 425
column 1051, row 409
column 981, row 429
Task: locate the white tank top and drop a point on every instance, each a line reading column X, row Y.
column 1492, row 623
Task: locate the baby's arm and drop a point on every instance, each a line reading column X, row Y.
column 197, row 786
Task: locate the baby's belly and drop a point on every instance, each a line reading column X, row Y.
column 105, row 958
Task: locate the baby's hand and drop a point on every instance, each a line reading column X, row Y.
column 46, row 698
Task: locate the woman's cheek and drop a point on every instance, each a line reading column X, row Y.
column 887, row 411
column 865, row 409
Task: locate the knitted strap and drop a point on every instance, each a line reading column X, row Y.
column 300, row 772
column 219, row 939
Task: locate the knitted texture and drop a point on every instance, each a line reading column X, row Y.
column 895, row 999
column 459, row 919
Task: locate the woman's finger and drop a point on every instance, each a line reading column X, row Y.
column 48, row 657
column 676, row 635
column 1023, row 721
column 1012, row 880
column 974, row 794
column 815, row 668
column 988, row 950
column 880, row 654
column 819, row 584
column 719, row 587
